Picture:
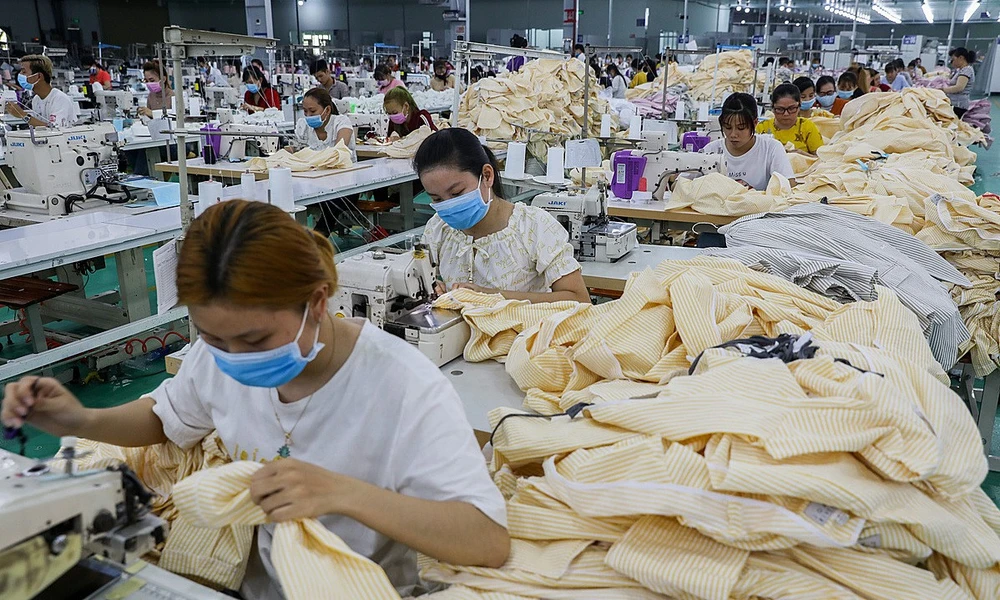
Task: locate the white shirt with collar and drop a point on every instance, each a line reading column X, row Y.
column 307, row 135
column 755, row 167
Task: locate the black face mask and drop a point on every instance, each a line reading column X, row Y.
column 442, row 77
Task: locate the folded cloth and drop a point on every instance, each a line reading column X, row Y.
column 311, row 561
column 407, row 147
column 338, row 157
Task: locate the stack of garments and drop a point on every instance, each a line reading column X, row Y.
column 849, row 470
column 967, row 232
column 546, row 95
column 407, row 147
column 676, row 79
column 978, row 115
column 722, row 74
column 306, row 159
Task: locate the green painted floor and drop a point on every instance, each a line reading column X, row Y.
column 136, row 380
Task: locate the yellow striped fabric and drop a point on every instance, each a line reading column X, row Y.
column 459, row 592
column 310, row 560
column 980, row 584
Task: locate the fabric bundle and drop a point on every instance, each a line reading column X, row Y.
column 716, row 77
column 545, row 95
column 851, row 471
column 338, row 157
column 407, row 147
column 967, row 232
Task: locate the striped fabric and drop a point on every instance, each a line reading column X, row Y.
column 311, row 561
column 902, row 262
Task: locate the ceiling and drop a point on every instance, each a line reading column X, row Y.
column 910, row 10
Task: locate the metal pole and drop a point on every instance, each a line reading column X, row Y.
column 767, row 25
column 187, row 209
column 663, row 100
column 611, row 4
column 586, row 93
column 468, row 24
column 298, row 33
column 951, row 30
column 686, row 29
column 854, row 26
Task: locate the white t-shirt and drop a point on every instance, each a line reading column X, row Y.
column 307, row 135
column 618, row 87
column 56, row 108
column 528, row 255
column 216, row 78
column 388, row 417
column 755, row 167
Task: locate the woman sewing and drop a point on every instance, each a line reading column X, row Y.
column 356, row 427
column 750, row 158
column 480, row 240
column 322, row 126
column 259, row 96
column 405, row 116
column 787, row 126
column 160, row 95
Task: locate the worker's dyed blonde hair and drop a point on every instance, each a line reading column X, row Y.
column 39, row 63
column 252, row 254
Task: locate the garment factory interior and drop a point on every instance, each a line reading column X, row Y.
column 499, row 299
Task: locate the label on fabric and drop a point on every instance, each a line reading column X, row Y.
column 822, row 514
column 871, row 541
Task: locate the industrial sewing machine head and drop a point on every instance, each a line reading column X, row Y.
column 664, row 166
column 221, row 98
column 362, row 87
column 56, row 519
column 592, row 234
column 60, row 170
column 114, row 103
column 394, row 289
column 418, row 82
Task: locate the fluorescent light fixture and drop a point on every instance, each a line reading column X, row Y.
column 971, row 11
column 881, row 8
column 928, row 13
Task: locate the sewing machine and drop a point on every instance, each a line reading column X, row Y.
column 664, row 166
column 393, row 289
column 235, row 147
column 114, row 103
column 218, row 98
column 362, row 87
column 592, row 234
column 60, row 170
column 79, row 534
column 418, row 82
column 292, row 84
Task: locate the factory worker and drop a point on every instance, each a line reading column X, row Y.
column 783, row 74
column 481, row 241
column 211, row 73
column 807, row 96
column 788, row 126
column 323, row 126
column 321, row 71
column 49, row 106
column 386, row 80
column 256, row 62
column 962, row 79
column 442, row 79
column 826, row 92
column 404, row 115
column 847, row 85
column 750, row 158
column 97, row 72
column 895, row 77
column 514, row 63
column 365, row 69
column 355, row 426
column 260, row 95
column 580, row 53
column 160, row 95
column 618, row 83
column 863, row 84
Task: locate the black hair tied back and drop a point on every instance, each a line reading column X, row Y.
column 459, row 149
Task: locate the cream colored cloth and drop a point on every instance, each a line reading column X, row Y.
column 407, row 147
column 979, row 305
column 311, row 561
column 545, row 95
column 956, row 224
column 338, row 157
column 718, row 75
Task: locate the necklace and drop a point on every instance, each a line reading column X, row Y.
column 286, row 449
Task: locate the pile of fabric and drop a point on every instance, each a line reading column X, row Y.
column 735, row 73
column 407, row 147
column 306, row 159
column 546, row 95
column 426, row 100
column 967, row 232
column 824, row 459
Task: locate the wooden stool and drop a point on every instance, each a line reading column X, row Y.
column 27, row 293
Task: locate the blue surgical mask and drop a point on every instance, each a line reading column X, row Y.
column 465, row 211
column 22, row 81
column 845, row 94
column 253, row 88
column 807, row 104
column 826, row 101
column 315, row 121
column 270, row 368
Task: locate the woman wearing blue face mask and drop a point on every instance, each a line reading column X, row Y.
column 260, row 95
column 483, row 242
column 357, row 427
column 807, row 96
column 322, row 126
column 826, row 92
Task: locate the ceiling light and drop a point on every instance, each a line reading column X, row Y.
column 971, row 10
column 743, row 22
column 881, row 8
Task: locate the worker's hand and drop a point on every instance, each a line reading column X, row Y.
column 439, row 288
column 44, row 403
column 290, row 149
column 15, row 110
column 394, row 136
column 744, row 184
column 145, row 112
column 288, row 489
